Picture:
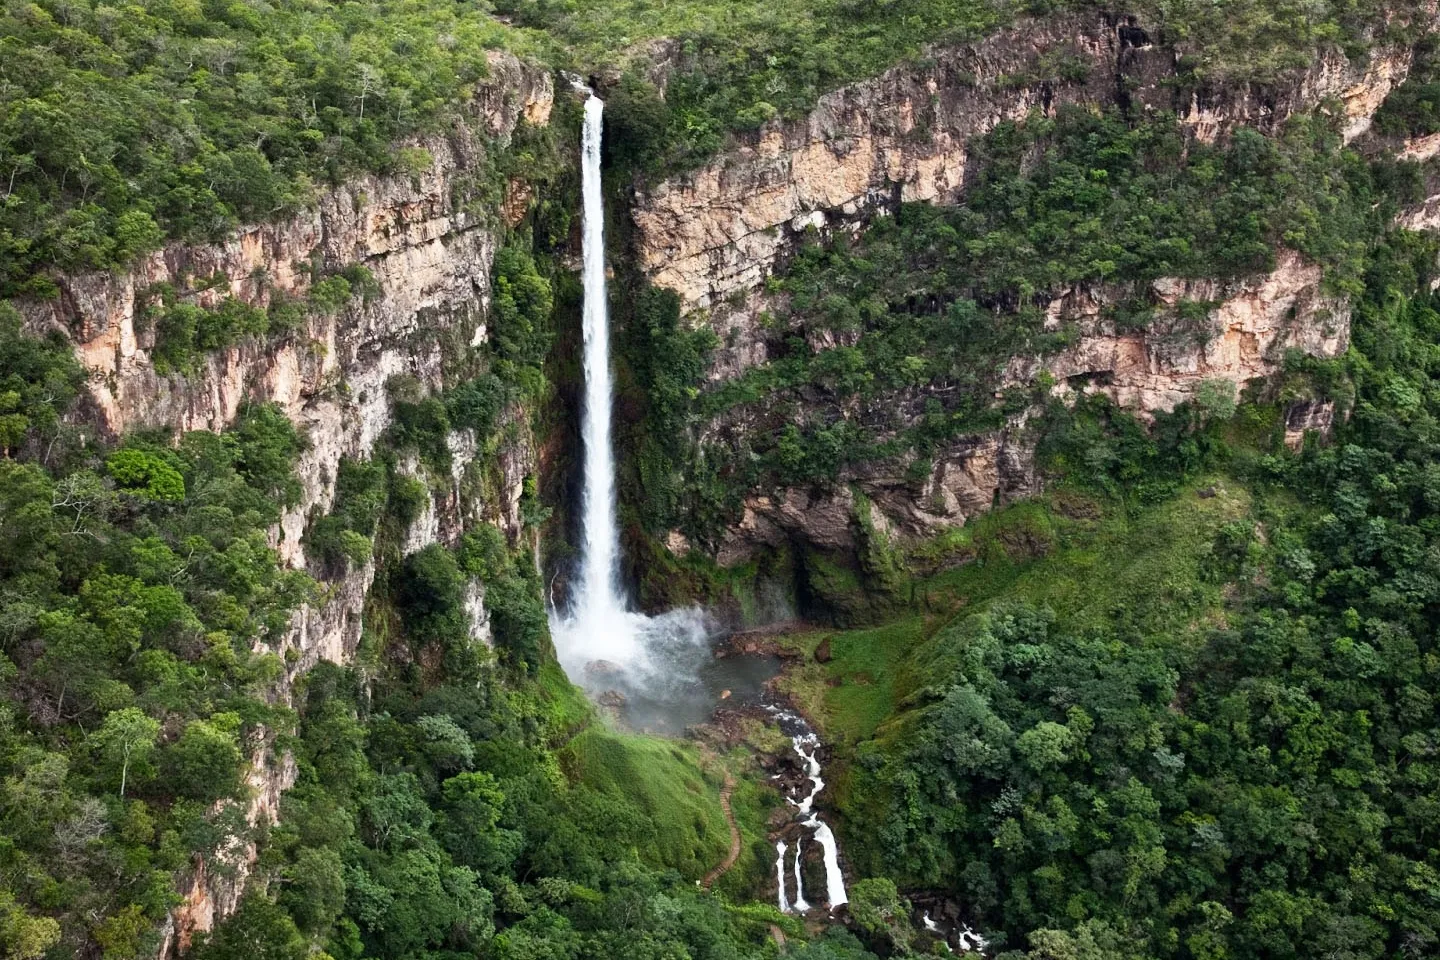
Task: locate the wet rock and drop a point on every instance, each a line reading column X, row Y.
column 613, row 699
column 602, row 668
column 822, row 652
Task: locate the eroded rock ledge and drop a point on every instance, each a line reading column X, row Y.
column 906, row 135
column 715, row 234
column 1250, row 324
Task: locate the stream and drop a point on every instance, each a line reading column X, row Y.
column 806, row 744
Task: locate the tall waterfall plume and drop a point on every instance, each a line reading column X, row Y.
column 601, row 642
column 599, row 601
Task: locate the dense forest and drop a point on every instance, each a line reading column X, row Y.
column 1177, row 703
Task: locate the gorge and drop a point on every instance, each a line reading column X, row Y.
column 1037, row 407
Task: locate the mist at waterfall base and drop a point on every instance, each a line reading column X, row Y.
column 661, row 664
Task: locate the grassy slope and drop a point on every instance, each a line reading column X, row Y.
column 666, row 780
column 1138, row 574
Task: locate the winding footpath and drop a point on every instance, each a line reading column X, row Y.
column 734, row 853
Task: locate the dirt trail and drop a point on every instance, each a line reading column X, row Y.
column 734, row 853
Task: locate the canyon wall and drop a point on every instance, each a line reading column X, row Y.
column 430, row 256
column 907, row 135
column 714, row 235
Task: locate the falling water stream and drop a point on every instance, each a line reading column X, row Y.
column 601, row 641
column 806, row 744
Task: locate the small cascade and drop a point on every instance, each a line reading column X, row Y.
column 834, row 879
column 806, row 744
column 970, row 940
column 780, row 875
column 801, row 906
column 962, row 938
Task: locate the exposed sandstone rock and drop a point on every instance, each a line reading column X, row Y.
column 905, row 136
column 431, row 259
column 965, row 479
column 1248, row 328
column 207, row 898
column 1305, row 417
column 714, row 235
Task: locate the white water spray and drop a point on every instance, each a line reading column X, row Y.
column 801, row 906
column 601, row 642
column 780, row 876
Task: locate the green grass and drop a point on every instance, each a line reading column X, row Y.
column 665, row 781
column 752, row 802
column 568, row 711
column 850, row 696
column 1136, row 573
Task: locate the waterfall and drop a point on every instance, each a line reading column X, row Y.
column 806, row 745
column 601, row 642
column 834, row 879
column 780, row 875
column 801, row 906
column 599, row 602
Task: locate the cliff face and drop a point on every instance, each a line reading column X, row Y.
column 1244, row 335
column 906, row 136
column 430, row 258
column 714, row 235
column 431, row 262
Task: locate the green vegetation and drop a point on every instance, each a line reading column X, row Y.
column 1413, row 108
column 922, row 314
column 119, row 129
column 140, row 598
column 450, row 800
column 185, row 331
column 684, row 827
column 1181, row 712
column 182, row 120
column 733, row 65
column 1181, row 708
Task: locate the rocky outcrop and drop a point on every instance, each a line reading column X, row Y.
column 1226, row 333
column 1246, row 328
column 715, row 234
column 906, row 135
column 966, row 478
column 430, row 257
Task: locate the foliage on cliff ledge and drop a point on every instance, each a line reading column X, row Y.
column 119, row 127
column 733, row 64
column 898, row 341
column 136, row 584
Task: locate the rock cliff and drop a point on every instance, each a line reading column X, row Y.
column 715, row 234
column 430, row 256
column 907, row 135
column 1247, row 327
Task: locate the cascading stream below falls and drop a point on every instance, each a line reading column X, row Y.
column 806, row 744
